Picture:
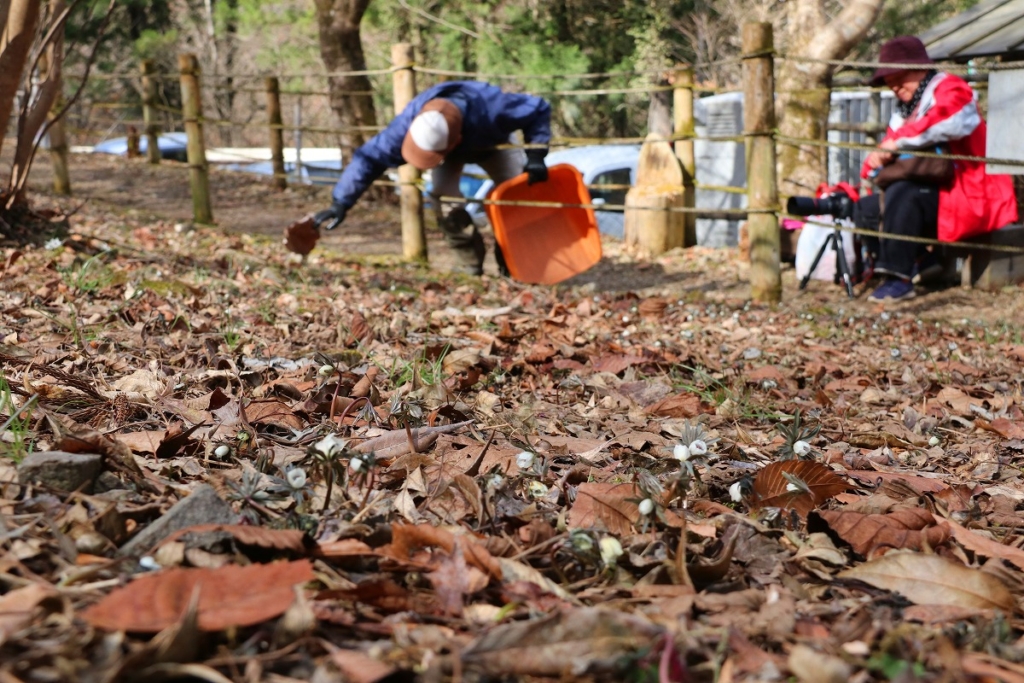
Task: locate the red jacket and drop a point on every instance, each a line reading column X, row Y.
column 976, row 202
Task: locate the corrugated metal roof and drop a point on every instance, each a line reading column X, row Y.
column 990, row 28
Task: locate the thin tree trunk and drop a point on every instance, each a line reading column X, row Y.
column 805, row 87
column 342, row 50
column 19, row 30
column 34, row 116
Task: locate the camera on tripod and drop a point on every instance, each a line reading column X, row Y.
column 838, row 205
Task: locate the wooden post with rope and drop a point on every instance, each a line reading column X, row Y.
column 682, row 110
column 192, row 111
column 414, row 237
column 149, row 118
column 58, row 138
column 276, row 124
column 762, row 187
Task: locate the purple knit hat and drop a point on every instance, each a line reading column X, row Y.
column 900, row 50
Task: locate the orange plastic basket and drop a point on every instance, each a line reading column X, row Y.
column 545, row 245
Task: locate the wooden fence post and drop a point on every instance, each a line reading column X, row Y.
column 414, row 237
column 149, row 116
column 297, row 120
column 682, row 107
column 59, row 152
column 276, row 124
column 192, row 112
column 762, row 188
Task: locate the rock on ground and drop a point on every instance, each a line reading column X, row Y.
column 202, row 506
column 61, row 471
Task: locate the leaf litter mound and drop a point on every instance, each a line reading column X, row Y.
column 221, row 462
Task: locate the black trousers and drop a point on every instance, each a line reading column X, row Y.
column 909, row 209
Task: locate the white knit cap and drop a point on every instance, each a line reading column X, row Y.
column 429, row 131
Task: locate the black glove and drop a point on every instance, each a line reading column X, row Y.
column 332, row 216
column 535, row 168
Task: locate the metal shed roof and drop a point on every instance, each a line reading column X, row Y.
column 990, row 28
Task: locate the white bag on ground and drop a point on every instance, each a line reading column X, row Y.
column 812, row 236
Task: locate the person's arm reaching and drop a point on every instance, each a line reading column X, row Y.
column 368, row 163
column 532, row 115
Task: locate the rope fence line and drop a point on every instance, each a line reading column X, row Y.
column 909, row 152
column 929, row 241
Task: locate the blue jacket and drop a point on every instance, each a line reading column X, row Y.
column 489, row 117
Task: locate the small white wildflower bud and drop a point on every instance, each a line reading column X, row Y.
column 356, row 464
column 525, row 460
column 330, row 445
column 934, row 441
column 698, row 447
column 222, row 451
column 582, row 542
column 243, row 436
column 792, row 488
column 801, row 448
column 296, row 478
column 149, row 563
column 611, row 550
column 681, row 452
column 494, row 481
column 646, row 506
column 54, row 243
column 536, row 489
column 736, row 492
column 326, row 370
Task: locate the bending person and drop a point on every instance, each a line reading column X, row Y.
column 933, row 110
column 444, row 128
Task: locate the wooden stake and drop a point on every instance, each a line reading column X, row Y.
column 276, row 124
column 58, row 139
column 682, row 109
column 149, row 115
column 762, row 188
column 192, row 110
column 414, row 238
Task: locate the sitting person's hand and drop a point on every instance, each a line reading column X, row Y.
column 536, row 170
column 878, row 158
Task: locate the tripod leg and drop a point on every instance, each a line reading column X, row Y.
column 830, row 240
column 842, row 266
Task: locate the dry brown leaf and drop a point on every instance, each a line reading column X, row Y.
column 228, row 596
column 902, row 529
column 396, row 442
column 921, row 485
column 346, row 547
column 451, row 581
column 301, row 236
column 357, row 667
column 984, row 667
column 933, row 580
column 772, row 488
column 18, row 607
column 272, row 412
column 615, row 364
column 142, row 442
column 407, row 538
column 77, row 438
column 566, row 644
column 680, row 405
column 982, row 545
column 605, row 506
column 258, row 536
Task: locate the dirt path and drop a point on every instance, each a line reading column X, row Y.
column 246, row 203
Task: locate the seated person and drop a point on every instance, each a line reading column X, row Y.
column 932, row 109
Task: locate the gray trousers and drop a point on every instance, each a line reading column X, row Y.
column 459, row 230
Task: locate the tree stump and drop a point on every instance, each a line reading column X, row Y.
column 651, row 227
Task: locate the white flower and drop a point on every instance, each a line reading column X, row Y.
column 149, row 563
column 611, row 550
column 801, row 448
column 296, row 477
column 698, row 447
column 326, row 370
column 55, row 243
column 330, row 445
column 356, row 464
column 536, row 489
column 736, row 492
column 525, row 460
column 934, row 441
column 582, row 541
column 494, row 481
column 222, row 451
column 681, row 452
column 793, row 488
column 646, row 506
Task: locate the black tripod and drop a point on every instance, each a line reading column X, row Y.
column 835, row 240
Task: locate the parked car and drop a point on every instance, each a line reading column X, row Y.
column 319, row 173
column 171, row 146
column 599, row 165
